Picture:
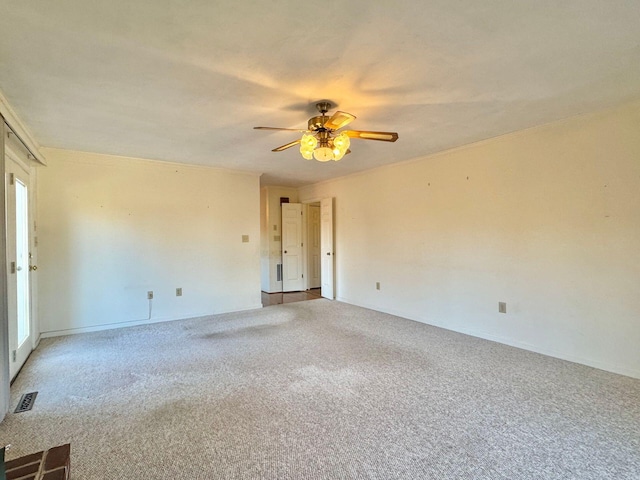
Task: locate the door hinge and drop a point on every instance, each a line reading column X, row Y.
column 14, row 355
column 12, row 179
column 13, row 267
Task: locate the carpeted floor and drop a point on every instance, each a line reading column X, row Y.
column 320, row 390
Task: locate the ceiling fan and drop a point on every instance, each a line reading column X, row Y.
column 322, row 140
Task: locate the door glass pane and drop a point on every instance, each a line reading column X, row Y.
column 22, row 260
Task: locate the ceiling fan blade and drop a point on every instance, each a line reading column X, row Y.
column 366, row 135
column 339, row 120
column 284, row 147
column 278, row 128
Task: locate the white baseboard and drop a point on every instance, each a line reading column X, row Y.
column 609, row 367
column 133, row 323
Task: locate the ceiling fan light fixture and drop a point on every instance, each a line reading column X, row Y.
column 329, row 149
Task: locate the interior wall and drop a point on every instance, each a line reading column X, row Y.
column 111, row 229
column 545, row 220
column 271, row 234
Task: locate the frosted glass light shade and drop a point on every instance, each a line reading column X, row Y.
column 340, row 145
column 323, row 154
column 342, row 142
column 337, row 154
column 308, row 141
column 307, row 145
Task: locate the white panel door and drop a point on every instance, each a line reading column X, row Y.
column 19, row 265
column 313, row 243
column 326, row 247
column 292, row 258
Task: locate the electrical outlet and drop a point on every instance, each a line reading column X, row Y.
column 377, row 285
column 502, row 307
column 150, row 295
column 178, row 292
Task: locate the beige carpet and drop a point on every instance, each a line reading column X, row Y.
column 320, row 390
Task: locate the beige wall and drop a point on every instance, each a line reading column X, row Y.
column 547, row 220
column 112, row 228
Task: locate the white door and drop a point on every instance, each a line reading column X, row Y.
column 326, row 247
column 292, row 258
column 313, row 242
column 19, row 264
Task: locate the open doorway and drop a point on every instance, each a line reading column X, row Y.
column 313, row 250
column 318, row 246
column 305, row 256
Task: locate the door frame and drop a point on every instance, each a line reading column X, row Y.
column 4, row 308
column 10, row 123
column 319, row 201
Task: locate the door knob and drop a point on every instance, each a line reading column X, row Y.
column 285, row 251
column 328, row 253
column 33, row 267
column 19, row 268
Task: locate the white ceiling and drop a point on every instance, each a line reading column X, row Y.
column 187, row 80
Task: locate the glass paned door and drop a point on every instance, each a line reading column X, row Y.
column 18, row 262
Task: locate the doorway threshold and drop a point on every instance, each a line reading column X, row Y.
column 269, row 299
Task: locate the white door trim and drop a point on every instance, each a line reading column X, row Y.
column 4, row 309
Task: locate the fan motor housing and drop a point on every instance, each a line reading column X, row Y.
column 316, row 123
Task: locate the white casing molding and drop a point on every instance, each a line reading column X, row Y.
column 11, row 117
